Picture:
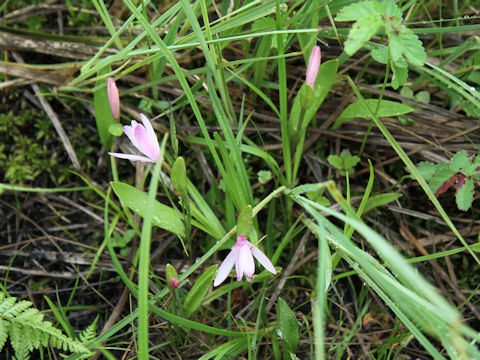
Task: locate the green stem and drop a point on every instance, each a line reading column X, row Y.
column 144, row 263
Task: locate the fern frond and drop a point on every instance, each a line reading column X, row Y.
column 16, row 309
column 29, row 331
column 89, row 333
column 4, row 329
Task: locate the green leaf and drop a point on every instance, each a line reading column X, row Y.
column 163, row 216
column 440, row 177
column 459, row 161
column 464, row 195
column 423, row 96
column 245, row 221
column 359, row 110
column 350, row 161
column 179, row 176
column 288, row 324
column 263, row 176
column 336, row 161
column 103, row 114
column 400, row 74
column 361, row 32
column 198, row 291
column 380, row 200
column 426, row 169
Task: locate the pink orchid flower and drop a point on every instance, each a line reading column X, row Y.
column 113, row 99
column 144, row 139
column 313, row 66
column 241, row 257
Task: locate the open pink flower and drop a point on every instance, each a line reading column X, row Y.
column 241, row 257
column 143, row 137
column 313, row 66
column 113, row 99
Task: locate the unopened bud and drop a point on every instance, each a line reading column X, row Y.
column 313, row 66
column 113, row 98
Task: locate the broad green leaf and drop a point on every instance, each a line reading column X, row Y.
column 464, row 195
column 245, row 221
column 288, row 324
column 103, row 114
column 426, row 169
column 380, row 200
column 163, row 216
column 423, row 96
column 336, row 161
column 179, row 176
column 440, row 177
column 350, row 161
column 459, row 161
column 400, row 73
column 361, row 32
column 359, row 110
column 198, row 291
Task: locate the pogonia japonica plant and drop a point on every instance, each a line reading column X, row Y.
column 241, row 256
column 143, row 137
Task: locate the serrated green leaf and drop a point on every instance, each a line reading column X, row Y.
column 358, row 110
column 464, row 195
column 440, row 177
column 361, row 32
column 400, row 73
column 426, row 169
column 459, row 161
column 380, row 200
column 349, row 162
column 380, row 54
column 163, row 216
column 412, row 47
column 357, row 10
column 336, row 161
column 198, row 291
column 288, row 324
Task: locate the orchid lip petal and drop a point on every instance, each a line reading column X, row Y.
column 263, row 259
column 225, row 267
column 245, row 262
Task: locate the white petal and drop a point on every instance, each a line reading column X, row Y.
column 245, row 263
column 131, row 157
column 263, row 259
column 225, row 267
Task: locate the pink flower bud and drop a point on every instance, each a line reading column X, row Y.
column 174, row 283
column 313, row 66
column 113, row 98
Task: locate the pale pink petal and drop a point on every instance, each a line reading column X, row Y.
column 129, row 130
column 263, row 259
column 313, row 66
column 131, row 157
column 146, row 145
column 245, row 263
column 113, row 99
column 225, row 267
column 155, row 147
